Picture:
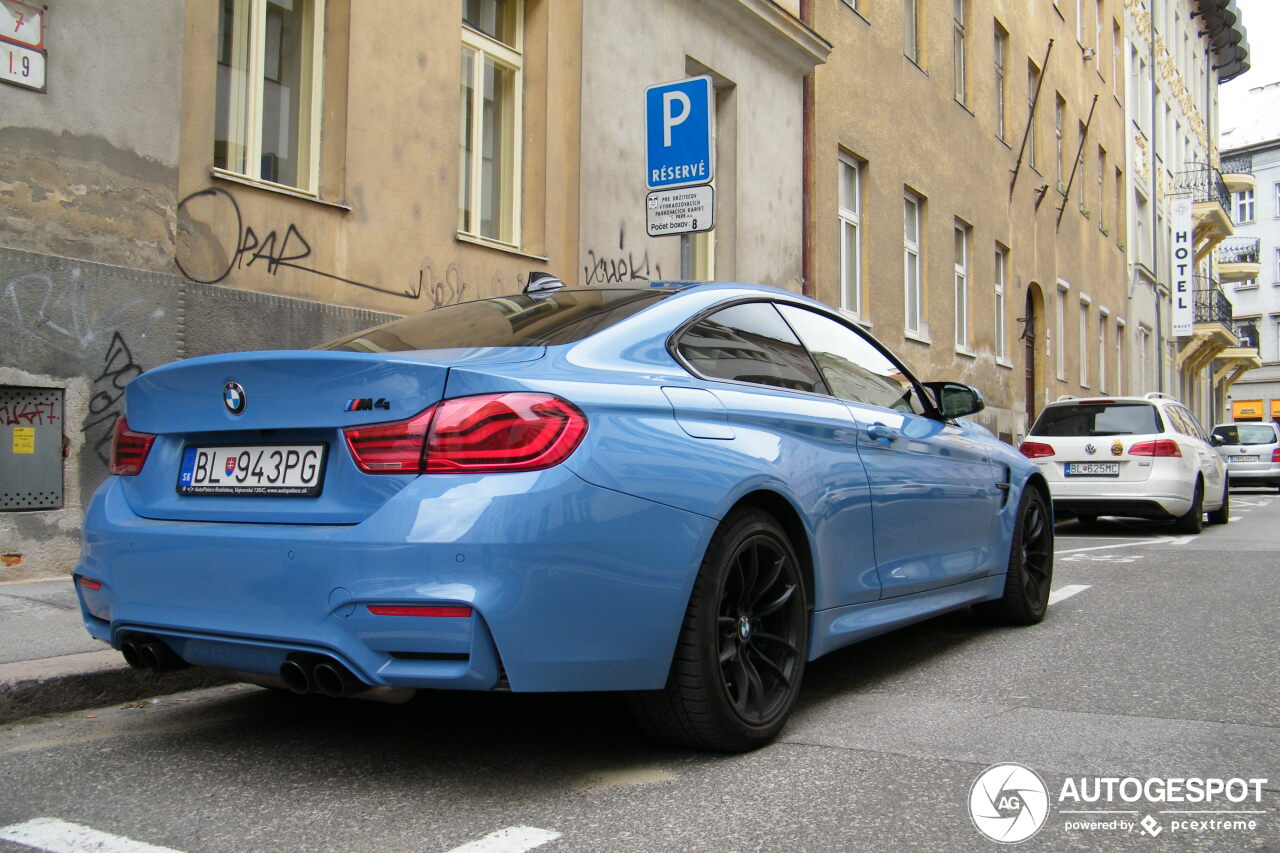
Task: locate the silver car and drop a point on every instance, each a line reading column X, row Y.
column 1251, row 451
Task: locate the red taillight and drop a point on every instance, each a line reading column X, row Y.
column 90, row 583
column 484, row 434
column 129, row 449
column 1275, row 455
column 1162, row 447
column 1035, row 450
column 419, row 610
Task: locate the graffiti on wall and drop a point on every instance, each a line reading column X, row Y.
column 61, row 315
column 106, row 404
column 615, row 267
column 28, row 413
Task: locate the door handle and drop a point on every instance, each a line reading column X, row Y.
column 879, row 431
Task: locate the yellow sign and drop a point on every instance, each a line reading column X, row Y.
column 1246, row 410
column 24, row 440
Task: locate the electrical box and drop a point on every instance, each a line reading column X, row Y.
column 31, row 426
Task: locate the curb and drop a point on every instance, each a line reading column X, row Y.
column 89, row 680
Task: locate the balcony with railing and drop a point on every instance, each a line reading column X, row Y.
column 1212, row 331
column 1239, row 259
column 1237, row 171
column 1210, row 206
column 1211, row 304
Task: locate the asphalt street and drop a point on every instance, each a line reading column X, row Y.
column 1157, row 663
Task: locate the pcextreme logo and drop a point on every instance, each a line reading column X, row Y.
column 1010, row 803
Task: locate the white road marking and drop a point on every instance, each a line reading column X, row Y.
column 1137, row 543
column 59, row 836
column 513, row 839
column 1064, row 592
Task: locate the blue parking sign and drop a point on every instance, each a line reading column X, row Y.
column 678, row 133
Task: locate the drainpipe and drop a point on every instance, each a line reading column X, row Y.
column 806, row 204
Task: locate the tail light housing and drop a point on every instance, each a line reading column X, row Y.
column 1035, row 449
column 129, row 449
column 1275, row 455
column 1160, row 447
column 488, row 433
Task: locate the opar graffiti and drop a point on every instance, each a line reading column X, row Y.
column 118, row 368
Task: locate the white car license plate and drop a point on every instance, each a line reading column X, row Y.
column 291, row 470
column 1242, row 458
column 1092, row 469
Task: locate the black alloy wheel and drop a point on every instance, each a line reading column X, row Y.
column 742, row 647
column 1030, row 574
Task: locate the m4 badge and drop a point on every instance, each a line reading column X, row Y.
column 367, row 404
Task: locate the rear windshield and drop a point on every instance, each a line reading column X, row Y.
column 507, row 321
column 1098, row 419
column 1246, row 434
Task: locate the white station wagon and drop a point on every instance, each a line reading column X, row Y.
column 1131, row 456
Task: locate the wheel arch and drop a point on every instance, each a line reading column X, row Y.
column 783, row 512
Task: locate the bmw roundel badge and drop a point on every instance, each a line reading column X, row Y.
column 233, row 396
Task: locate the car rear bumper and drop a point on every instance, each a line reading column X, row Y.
column 1153, row 498
column 571, row 586
column 1265, row 477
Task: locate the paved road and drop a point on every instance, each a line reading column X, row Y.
column 1159, row 659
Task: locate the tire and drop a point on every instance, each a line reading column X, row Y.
column 742, row 647
column 1026, row 585
column 1222, row 514
column 1193, row 521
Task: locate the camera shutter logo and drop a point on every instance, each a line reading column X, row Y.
column 1008, row 803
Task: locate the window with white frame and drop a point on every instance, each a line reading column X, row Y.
column 1001, row 270
column 1097, row 35
column 1276, row 280
column 1080, row 22
column 1244, row 206
column 911, row 263
column 1142, row 357
column 1120, row 335
column 492, row 84
column 1060, row 333
column 1059, row 118
column 1116, row 41
column 1001, row 48
column 270, row 61
column 1084, row 343
column 1102, row 188
column 910, row 30
column 1103, row 317
column 850, row 220
column 958, row 45
column 1275, row 211
column 961, row 272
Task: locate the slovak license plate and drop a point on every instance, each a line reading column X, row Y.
column 284, row 470
column 1092, row 469
column 1242, row 458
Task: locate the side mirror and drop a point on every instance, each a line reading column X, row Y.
column 955, row 400
column 1217, row 440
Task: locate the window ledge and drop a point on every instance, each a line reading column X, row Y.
column 233, row 178
column 918, row 337
column 966, row 352
column 1008, row 365
column 494, row 244
column 962, row 105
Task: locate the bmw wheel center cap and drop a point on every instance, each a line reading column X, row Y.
column 234, row 398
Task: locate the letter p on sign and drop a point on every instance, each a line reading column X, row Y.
column 678, row 133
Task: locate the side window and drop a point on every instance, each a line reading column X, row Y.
column 750, row 343
column 1178, row 420
column 853, row 367
column 1193, row 425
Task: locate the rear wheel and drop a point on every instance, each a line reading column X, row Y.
column 741, row 652
column 1193, row 521
column 1026, row 586
column 1222, row 514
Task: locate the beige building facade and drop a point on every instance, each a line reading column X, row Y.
column 985, row 248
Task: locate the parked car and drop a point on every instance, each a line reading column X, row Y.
column 1129, row 456
column 1251, row 451
column 684, row 493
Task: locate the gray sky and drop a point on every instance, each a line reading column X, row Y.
column 1262, row 21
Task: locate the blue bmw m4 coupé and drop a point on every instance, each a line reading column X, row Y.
column 684, row 493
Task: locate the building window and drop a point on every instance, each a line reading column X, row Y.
column 1276, row 280
column 489, row 187
column 1084, row 344
column 910, row 30
column 1060, row 333
column 270, row 58
column 1033, row 81
column 1097, row 36
column 1102, row 188
column 1102, row 351
column 957, row 42
column 1276, row 209
column 1119, row 387
column 911, row 262
column 1080, row 22
column 961, row 278
column 1143, row 358
column 1244, row 206
column 1059, row 116
column 850, row 219
column 1141, row 242
column 1001, row 47
column 1002, row 263
column 1117, row 41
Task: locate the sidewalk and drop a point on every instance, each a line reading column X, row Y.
column 49, row 663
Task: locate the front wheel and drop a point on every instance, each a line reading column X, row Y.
column 741, row 651
column 1026, row 585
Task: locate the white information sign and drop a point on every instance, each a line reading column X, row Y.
column 1183, row 266
column 21, row 66
column 22, row 23
column 681, row 211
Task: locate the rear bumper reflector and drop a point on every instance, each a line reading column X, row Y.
column 419, row 610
